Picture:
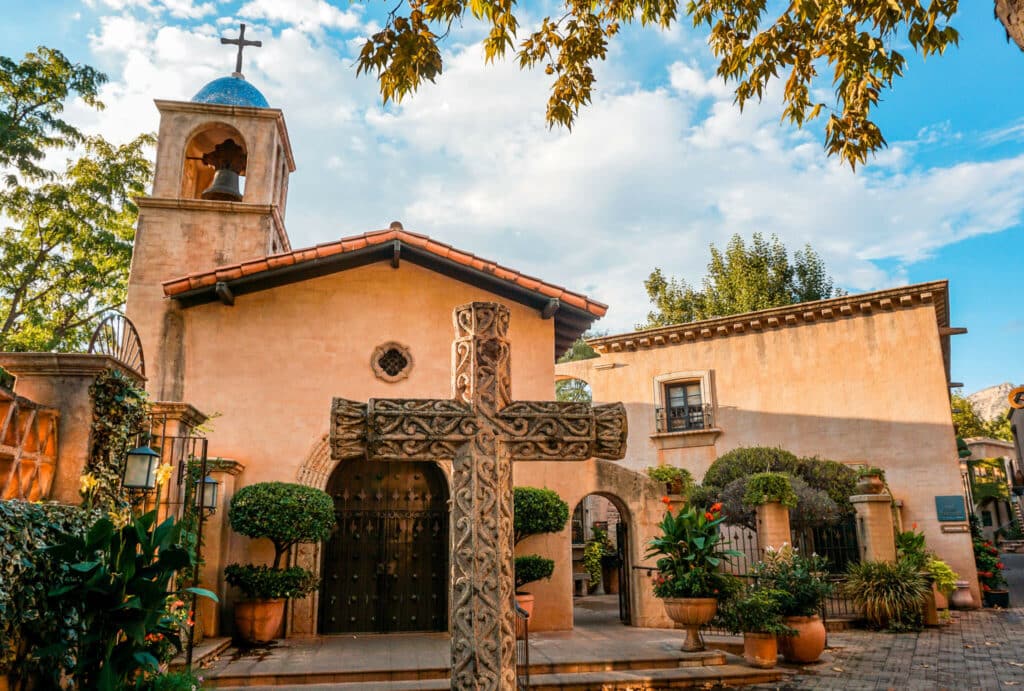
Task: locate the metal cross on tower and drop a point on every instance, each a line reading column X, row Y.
column 483, row 431
column 241, row 43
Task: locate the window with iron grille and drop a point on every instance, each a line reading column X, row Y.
column 684, row 409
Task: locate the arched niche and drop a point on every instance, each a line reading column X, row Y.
column 196, row 175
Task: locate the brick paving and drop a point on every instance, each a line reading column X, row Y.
column 978, row 650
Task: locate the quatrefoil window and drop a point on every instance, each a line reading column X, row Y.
column 391, row 362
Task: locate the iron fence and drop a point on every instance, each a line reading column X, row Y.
column 837, row 542
column 522, row 646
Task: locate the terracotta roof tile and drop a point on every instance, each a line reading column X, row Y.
column 203, row 279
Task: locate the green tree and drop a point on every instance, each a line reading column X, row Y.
column 855, row 40
column 740, row 279
column 968, row 423
column 576, row 389
column 67, row 241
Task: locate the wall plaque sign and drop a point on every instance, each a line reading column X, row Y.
column 950, row 508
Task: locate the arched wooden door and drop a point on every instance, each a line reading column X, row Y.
column 385, row 567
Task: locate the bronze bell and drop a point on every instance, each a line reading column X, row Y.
column 224, row 187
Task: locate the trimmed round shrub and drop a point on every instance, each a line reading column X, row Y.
column 283, row 512
column 532, row 567
column 763, row 488
column 267, row 583
column 538, row 511
column 744, row 462
column 812, row 506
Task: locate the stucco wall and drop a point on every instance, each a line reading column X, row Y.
column 858, row 389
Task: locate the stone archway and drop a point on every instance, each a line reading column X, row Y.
column 610, row 602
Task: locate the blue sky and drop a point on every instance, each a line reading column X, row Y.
column 658, row 167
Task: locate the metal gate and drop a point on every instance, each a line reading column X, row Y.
column 385, row 567
column 622, row 546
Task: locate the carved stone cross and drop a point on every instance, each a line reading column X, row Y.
column 482, row 430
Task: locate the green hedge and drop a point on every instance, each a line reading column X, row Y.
column 27, row 573
column 266, row 583
column 532, row 568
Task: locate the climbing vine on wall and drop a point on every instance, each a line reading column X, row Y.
column 119, row 411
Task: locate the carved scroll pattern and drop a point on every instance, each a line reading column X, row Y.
column 612, row 431
column 417, row 429
column 539, row 430
column 483, row 637
column 348, row 429
column 482, row 356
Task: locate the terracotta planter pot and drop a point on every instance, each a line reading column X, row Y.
column 961, row 597
column 525, row 601
column 258, row 621
column 930, row 610
column 691, row 613
column 870, row 484
column 760, row 650
column 808, row 643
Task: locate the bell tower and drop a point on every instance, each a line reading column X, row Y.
column 220, row 190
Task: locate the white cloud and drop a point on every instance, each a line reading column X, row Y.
column 306, row 15
column 648, row 177
column 181, row 9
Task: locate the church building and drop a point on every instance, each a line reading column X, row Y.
column 256, row 337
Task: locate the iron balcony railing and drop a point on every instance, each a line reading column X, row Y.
column 684, row 419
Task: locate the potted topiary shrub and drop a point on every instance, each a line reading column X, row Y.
column 286, row 514
column 677, row 480
column 870, row 480
column 756, row 612
column 537, row 511
column 803, row 585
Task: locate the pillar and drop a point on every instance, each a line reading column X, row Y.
column 772, row 526
column 62, row 381
column 875, row 528
column 215, row 539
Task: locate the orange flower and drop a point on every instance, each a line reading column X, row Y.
column 708, row 515
column 666, row 500
column 716, row 507
column 914, row 525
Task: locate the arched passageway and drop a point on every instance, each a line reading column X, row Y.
column 601, row 561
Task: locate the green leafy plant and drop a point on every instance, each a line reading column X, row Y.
column 871, row 471
column 942, row 575
column 988, row 564
column 532, row 567
column 592, row 553
column 119, row 409
column 801, row 580
column 674, row 475
column 536, row 511
column 690, row 551
column 755, row 609
column 27, row 572
column 173, row 681
column 119, row 579
column 890, row 594
column 267, row 583
column 285, row 513
column 763, row 488
column 911, row 548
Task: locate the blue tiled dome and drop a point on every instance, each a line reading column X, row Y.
column 231, row 91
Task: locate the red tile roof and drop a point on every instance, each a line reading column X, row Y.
column 178, row 286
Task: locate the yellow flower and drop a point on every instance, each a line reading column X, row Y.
column 163, row 473
column 89, row 483
column 120, row 518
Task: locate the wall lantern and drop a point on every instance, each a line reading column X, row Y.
column 209, row 496
column 140, row 469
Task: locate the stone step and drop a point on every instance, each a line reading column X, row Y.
column 712, row 676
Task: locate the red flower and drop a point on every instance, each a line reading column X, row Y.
column 999, row 565
column 985, row 587
column 708, row 515
column 716, row 507
column 666, row 500
column 914, row 525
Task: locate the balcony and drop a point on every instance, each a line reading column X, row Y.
column 685, row 427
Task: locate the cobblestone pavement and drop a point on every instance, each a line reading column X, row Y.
column 978, row 650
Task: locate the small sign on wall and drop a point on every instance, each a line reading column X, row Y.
column 950, row 508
